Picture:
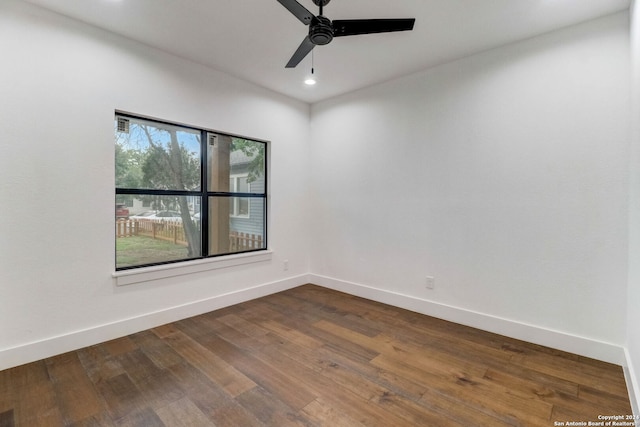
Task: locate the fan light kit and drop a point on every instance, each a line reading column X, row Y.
column 322, row 30
column 311, row 80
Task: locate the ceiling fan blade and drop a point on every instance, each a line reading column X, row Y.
column 298, row 10
column 352, row 27
column 303, row 50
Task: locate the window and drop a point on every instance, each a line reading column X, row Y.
column 240, row 205
column 191, row 193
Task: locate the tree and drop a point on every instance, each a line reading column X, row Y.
column 170, row 166
column 253, row 150
column 128, row 171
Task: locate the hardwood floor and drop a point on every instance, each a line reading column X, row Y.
column 311, row 357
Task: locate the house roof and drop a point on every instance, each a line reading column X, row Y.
column 254, row 40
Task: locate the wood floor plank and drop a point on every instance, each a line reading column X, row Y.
column 270, row 410
column 527, row 376
column 276, row 381
column 348, row 334
column 311, row 357
column 8, row 395
column 292, row 335
column 476, row 396
column 156, row 349
column 273, row 377
column 615, row 404
column 529, row 388
column 137, row 365
column 242, row 325
column 340, row 378
column 99, row 364
column 19, row 396
column 604, row 378
column 159, row 390
column 215, row 368
column 421, row 334
column 119, row 346
column 7, row 419
column 37, row 406
column 164, row 330
column 357, row 405
column 434, row 362
column 341, row 309
column 359, row 397
column 300, row 386
column 23, row 376
column 100, row 420
column 322, row 413
column 143, row 418
column 121, row 396
column 211, row 399
column 361, row 389
column 459, row 411
column 183, row 413
column 413, row 413
column 341, row 345
column 323, row 361
column 248, row 342
column 75, row 392
column 369, row 413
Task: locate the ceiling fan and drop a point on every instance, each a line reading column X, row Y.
column 322, row 30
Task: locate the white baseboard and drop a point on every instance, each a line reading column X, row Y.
column 583, row 346
column 632, row 384
column 52, row 346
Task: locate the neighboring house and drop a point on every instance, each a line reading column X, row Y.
column 247, row 214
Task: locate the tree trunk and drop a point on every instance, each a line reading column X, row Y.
column 190, row 230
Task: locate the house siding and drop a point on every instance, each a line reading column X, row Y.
column 255, row 223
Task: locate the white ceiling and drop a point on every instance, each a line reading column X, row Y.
column 253, row 40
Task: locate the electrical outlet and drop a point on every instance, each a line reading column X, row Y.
column 431, row 282
column 285, row 265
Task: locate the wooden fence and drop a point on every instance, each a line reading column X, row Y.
column 244, row 242
column 172, row 231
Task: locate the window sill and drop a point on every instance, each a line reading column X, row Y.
column 145, row 274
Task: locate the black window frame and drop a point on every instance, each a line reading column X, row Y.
column 203, row 194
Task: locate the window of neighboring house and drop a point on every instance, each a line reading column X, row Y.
column 188, row 185
column 240, row 205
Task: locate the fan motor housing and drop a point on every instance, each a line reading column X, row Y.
column 321, row 31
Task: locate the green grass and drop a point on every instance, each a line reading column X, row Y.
column 138, row 250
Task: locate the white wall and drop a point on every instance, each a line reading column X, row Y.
column 633, row 300
column 60, row 82
column 503, row 175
